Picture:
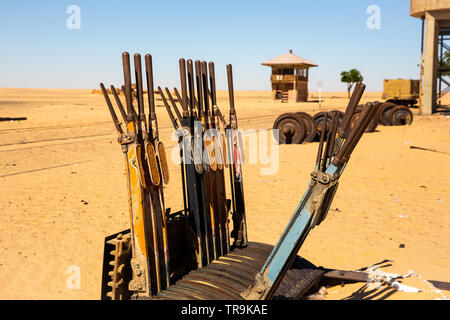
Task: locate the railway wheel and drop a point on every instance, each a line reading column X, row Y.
column 310, row 126
column 400, row 116
column 382, row 113
column 291, row 128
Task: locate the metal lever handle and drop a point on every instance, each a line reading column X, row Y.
column 352, row 105
column 111, row 109
column 355, row 134
column 183, row 100
column 172, row 118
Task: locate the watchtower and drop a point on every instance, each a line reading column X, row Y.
column 289, row 78
column 435, row 15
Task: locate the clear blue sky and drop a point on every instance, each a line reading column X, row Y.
column 39, row 51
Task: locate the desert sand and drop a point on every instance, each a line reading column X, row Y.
column 63, row 190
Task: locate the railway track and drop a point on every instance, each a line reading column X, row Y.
column 91, row 124
column 55, row 127
column 53, row 139
column 80, row 125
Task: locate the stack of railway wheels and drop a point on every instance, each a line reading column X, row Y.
column 295, row 128
column 299, row 127
column 390, row 114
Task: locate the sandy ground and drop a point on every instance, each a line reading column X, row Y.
column 63, row 190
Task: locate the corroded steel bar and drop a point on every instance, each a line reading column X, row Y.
column 111, row 109
column 179, row 98
column 169, row 111
column 119, row 104
column 205, row 89
column 174, row 105
column 183, row 100
column 140, row 93
column 198, row 81
column 212, row 82
column 331, row 139
column 354, row 135
column 231, row 95
column 359, row 131
column 127, row 82
column 150, row 93
column 239, row 232
column 192, row 100
column 321, row 142
column 351, row 107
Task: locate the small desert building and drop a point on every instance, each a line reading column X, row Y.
column 289, row 78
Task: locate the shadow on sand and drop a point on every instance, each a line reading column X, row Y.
column 368, row 293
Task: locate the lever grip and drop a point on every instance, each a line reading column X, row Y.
column 355, row 134
column 151, row 95
column 127, row 82
column 212, row 79
column 183, row 100
column 322, row 139
column 331, row 139
column 139, row 85
column 204, row 71
column 230, row 88
column 179, row 98
column 174, row 105
column 352, row 105
column 111, row 109
column 370, row 116
column 172, row 118
column 190, row 73
column 198, row 80
column 119, row 103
